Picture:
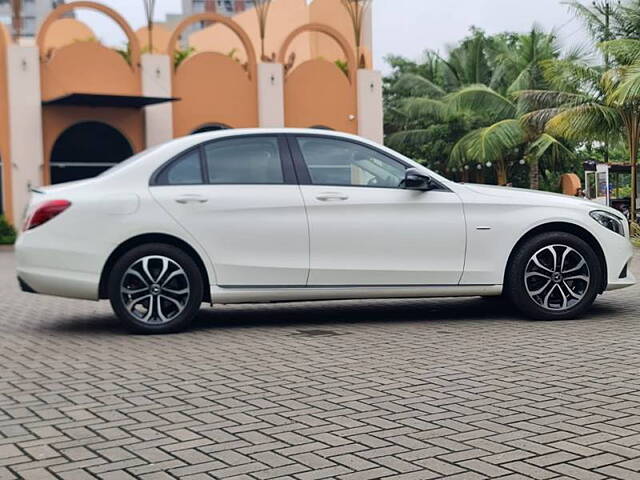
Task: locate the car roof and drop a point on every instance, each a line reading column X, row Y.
column 275, row 131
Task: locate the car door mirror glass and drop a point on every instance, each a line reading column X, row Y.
column 414, row 179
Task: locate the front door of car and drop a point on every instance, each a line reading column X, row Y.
column 366, row 228
column 239, row 198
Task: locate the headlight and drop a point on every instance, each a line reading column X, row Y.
column 608, row 221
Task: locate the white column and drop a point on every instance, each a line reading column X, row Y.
column 25, row 124
column 156, row 82
column 370, row 111
column 270, row 95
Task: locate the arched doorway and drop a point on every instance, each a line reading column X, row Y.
column 211, row 127
column 87, row 149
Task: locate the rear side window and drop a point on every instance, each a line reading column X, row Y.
column 185, row 170
column 248, row 160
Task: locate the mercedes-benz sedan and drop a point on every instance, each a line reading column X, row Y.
column 248, row 216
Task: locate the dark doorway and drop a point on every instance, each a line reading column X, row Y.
column 211, row 127
column 86, row 150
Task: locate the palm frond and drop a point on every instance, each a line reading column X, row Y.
column 611, row 81
column 625, row 51
column 628, row 89
column 537, row 120
column 481, row 99
column 593, row 22
column 460, row 151
column 524, row 80
column 588, row 122
column 545, row 144
column 425, row 108
column 417, row 86
column 408, row 138
column 531, row 100
column 489, row 144
column 570, row 76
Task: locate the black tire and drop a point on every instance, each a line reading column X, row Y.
column 516, row 289
column 184, row 306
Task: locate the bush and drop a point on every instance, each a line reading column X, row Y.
column 7, row 232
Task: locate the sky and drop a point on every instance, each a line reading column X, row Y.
column 401, row 27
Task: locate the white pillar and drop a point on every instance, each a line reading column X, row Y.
column 270, row 95
column 370, row 110
column 156, row 82
column 25, row 124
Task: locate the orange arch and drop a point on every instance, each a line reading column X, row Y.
column 134, row 45
column 214, row 17
column 327, row 30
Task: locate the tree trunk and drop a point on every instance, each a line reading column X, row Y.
column 633, row 157
column 534, row 173
column 632, row 122
column 501, row 173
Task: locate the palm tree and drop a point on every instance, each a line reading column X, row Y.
column 518, row 59
column 508, row 137
column 589, row 105
column 519, row 62
column 478, row 79
column 417, row 118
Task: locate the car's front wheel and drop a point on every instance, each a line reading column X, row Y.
column 155, row 288
column 554, row 276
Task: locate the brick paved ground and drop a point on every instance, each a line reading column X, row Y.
column 405, row 389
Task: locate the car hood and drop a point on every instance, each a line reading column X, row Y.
column 521, row 196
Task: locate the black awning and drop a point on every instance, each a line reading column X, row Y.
column 99, row 100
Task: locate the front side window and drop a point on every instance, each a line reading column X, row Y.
column 339, row 162
column 247, row 160
column 186, row 170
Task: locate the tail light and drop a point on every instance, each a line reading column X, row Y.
column 46, row 212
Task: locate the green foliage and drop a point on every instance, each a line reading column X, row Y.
column 181, row 55
column 343, row 66
column 125, row 53
column 7, row 232
column 469, row 97
column 522, row 102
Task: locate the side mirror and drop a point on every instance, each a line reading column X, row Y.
column 414, row 179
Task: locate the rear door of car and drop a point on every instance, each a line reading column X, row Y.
column 240, row 198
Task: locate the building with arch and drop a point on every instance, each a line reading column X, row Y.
column 71, row 107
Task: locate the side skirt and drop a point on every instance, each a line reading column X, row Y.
column 303, row 294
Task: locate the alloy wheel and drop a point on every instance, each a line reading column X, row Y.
column 557, row 277
column 155, row 289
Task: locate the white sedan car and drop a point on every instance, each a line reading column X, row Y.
column 250, row 216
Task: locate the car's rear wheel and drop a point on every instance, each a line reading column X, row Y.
column 554, row 276
column 155, row 288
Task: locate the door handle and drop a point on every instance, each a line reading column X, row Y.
column 184, row 199
column 332, row 196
